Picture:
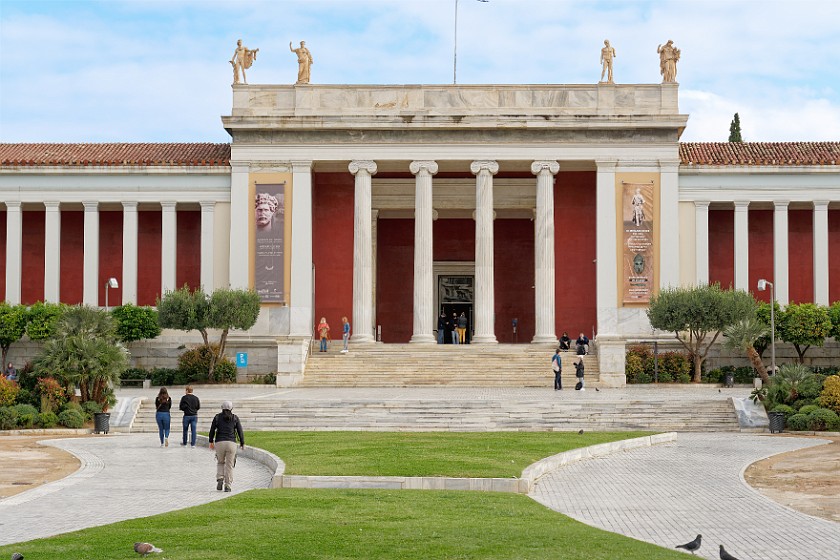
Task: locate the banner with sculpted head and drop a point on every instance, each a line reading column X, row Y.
column 638, row 253
column 269, row 241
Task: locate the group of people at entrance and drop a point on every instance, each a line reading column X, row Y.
column 323, row 330
column 452, row 329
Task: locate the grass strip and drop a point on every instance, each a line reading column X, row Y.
column 454, row 454
column 351, row 524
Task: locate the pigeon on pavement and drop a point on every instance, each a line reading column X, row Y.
column 691, row 546
column 725, row 555
column 144, row 548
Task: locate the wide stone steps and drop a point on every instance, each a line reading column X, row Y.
column 411, row 365
column 553, row 414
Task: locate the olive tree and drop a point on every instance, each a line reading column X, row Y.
column 697, row 316
column 804, row 325
column 13, row 319
column 224, row 309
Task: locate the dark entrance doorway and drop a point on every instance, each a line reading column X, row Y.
column 455, row 296
column 453, row 311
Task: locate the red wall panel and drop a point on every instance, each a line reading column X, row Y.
column 395, row 279
column 72, row 256
column 761, row 250
column 110, row 255
column 513, row 277
column 188, row 252
column 149, row 227
column 833, row 256
column 2, row 256
column 575, row 216
column 722, row 247
column 801, row 256
column 332, row 247
column 32, row 261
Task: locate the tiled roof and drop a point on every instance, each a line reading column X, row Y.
column 178, row 154
column 760, row 153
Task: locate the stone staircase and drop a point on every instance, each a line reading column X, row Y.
column 469, row 365
column 558, row 411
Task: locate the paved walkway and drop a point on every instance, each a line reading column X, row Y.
column 126, row 476
column 669, row 493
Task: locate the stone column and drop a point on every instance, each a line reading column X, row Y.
column 169, row 246
column 606, row 249
column 374, row 226
column 52, row 252
column 14, row 250
column 780, row 280
column 128, row 282
column 821, row 252
column 301, row 320
column 484, row 286
column 423, row 276
column 544, row 331
column 669, row 224
column 742, row 245
column 362, row 252
column 90, row 276
column 701, row 240
column 208, row 229
column 241, row 214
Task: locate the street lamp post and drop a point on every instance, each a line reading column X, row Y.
column 762, row 285
column 111, row 283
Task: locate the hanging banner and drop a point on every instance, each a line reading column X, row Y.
column 269, row 241
column 638, row 254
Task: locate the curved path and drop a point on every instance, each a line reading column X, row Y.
column 126, row 476
column 667, row 494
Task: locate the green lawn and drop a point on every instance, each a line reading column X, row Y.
column 351, row 524
column 471, row 454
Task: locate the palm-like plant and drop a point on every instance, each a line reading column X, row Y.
column 85, row 352
column 741, row 335
column 791, row 381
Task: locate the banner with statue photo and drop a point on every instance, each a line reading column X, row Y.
column 269, row 241
column 637, row 217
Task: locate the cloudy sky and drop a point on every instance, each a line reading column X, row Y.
column 158, row 70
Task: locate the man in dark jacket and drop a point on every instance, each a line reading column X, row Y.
column 189, row 405
column 223, row 434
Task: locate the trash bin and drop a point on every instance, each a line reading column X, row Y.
column 777, row 422
column 101, row 422
column 729, row 379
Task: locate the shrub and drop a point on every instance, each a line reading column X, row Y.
column 135, row 373
column 47, row 420
column 53, row 395
column 136, row 323
column 830, row 395
column 797, row 422
column 163, row 376
column 802, row 402
column 26, row 378
column 784, row 409
column 195, row 363
column 715, row 375
column 8, row 392
column 26, row 396
column 633, row 367
column 71, row 418
column 90, row 408
column 225, row 371
column 823, row 419
column 8, row 418
column 270, row 379
column 808, row 409
column 26, row 415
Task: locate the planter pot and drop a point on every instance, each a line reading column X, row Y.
column 777, row 422
column 147, row 383
column 101, row 422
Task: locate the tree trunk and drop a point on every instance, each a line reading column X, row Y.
column 758, row 365
column 698, row 367
column 801, row 352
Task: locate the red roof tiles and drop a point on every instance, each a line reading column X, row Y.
column 760, row 153
column 177, row 154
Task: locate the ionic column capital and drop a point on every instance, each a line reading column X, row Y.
column 820, row 205
column 168, row 204
column 477, row 167
column 741, row 205
column 362, row 165
column 130, row 205
column 52, row 205
column 90, row 206
column 429, row 166
column 781, row 204
column 702, row 204
column 545, row 165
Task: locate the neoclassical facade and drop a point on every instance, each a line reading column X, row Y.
column 532, row 209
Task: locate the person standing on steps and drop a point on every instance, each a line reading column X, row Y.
column 462, row 328
column 224, row 431
column 190, row 404
column 557, row 367
column 579, row 374
column 323, row 333
column 441, row 330
column 345, row 333
column 454, row 328
column 163, row 404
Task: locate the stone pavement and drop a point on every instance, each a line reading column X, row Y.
column 122, row 477
column 667, row 494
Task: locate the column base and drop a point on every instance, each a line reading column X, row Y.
column 484, row 339
column 362, row 338
column 423, row 339
column 544, row 339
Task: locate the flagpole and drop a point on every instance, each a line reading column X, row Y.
column 455, row 49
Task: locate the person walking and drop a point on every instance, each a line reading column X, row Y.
column 163, row 404
column 190, row 404
column 557, row 368
column 345, row 333
column 224, row 431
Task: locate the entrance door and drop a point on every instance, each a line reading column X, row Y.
column 454, row 310
column 455, row 296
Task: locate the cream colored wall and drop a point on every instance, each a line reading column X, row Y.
column 221, row 246
column 688, row 248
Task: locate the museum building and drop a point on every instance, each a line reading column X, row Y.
column 532, row 209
